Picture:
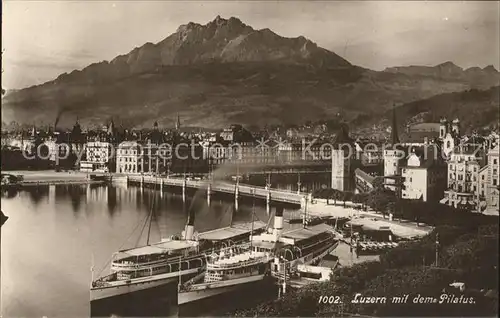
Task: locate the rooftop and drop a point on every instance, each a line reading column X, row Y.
column 161, row 247
column 428, row 127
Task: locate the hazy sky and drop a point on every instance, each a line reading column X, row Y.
column 41, row 39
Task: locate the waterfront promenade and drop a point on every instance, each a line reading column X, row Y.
column 50, row 177
column 368, row 218
column 315, row 207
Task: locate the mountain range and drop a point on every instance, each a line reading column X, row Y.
column 227, row 72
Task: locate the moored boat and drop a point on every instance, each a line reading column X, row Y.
column 227, row 271
column 276, row 253
column 152, row 265
column 167, row 261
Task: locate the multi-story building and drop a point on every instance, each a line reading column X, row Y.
column 130, row 158
column 464, row 171
column 492, row 182
column 423, row 176
column 100, row 151
column 99, row 157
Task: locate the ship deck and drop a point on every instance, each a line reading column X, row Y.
column 300, row 234
column 159, row 248
column 231, row 232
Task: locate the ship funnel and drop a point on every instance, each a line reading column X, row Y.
column 188, row 234
column 278, row 221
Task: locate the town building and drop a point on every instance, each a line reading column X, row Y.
column 100, row 150
column 422, row 134
column 130, row 158
column 424, row 175
column 491, row 193
column 465, row 167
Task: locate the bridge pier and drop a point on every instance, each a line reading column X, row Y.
column 88, row 193
column 303, row 203
column 298, row 188
column 268, row 199
column 161, row 188
column 184, row 190
column 236, row 195
column 209, row 193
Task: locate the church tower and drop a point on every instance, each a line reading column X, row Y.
column 394, row 130
column 443, row 128
column 178, row 123
column 455, row 127
column 393, row 156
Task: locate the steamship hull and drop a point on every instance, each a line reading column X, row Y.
column 119, row 288
column 219, row 288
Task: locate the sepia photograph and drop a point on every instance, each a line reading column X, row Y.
column 249, row 158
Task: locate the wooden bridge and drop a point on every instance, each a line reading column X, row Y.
column 237, row 189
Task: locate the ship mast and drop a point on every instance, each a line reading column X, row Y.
column 180, row 277
column 253, row 212
column 304, row 219
column 150, row 217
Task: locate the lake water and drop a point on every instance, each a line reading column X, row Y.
column 55, row 234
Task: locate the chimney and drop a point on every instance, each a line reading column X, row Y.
column 188, row 232
column 278, row 221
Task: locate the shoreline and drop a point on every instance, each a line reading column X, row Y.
column 49, row 177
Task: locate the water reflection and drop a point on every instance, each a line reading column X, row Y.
column 9, row 193
column 56, row 235
column 111, row 200
column 36, row 194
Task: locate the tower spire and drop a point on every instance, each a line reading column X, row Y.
column 394, row 130
column 178, row 123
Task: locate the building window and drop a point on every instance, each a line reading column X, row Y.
column 494, row 182
column 494, row 172
column 495, row 161
column 482, row 177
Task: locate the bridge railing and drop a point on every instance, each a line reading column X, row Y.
column 280, row 194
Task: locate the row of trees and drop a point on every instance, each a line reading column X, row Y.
column 379, row 198
column 385, row 201
column 465, row 254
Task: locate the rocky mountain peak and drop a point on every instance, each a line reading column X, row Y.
column 449, row 66
column 490, row 69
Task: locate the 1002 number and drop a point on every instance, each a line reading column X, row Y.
column 329, row 300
